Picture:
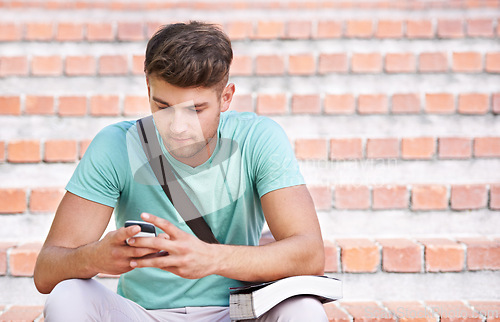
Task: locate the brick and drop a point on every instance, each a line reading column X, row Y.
column 152, row 28
column 372, row 104
column 389, row 29
column 39, row 31
column 22, row 259
column 367, row 311
column 331, row 257
column 410, row 311
column 46, row 199
column 242, row 103
column 493, row 62
column 480, row 28
column 333, row 63
column 136, row 105
column 487, row 147
column 417, row 148
column 46, row 66
column 467, row 62
column 352, row 197
column 104, row 105
column 12, row 201
column 339, row 104
column 22, row 313
column 334, row 314
column 468, row 197
column 346, row 149
column 419, row 29
column 10, row 105
column 241, row 66
column 473, row 103
column 400, row 255
column 4, row 247
column 80, row 66
column 69, row 31
column 113, row 65
column 301, row 64
column 359, row 29
column 382, row 148
column 328, row 29
column 366, row 63
column 270, row 65
column 311, row 149
column 443, row 255
column 400, row 63
column 390, row 197
column 358, row 255
column 454, row 148
column 130, row 31
column 489, row 309
column 450, row 28
column 271, row 104
column 60, row 151
column 432, row 62
column 453, row 311
column 269, row 30
column 429, row 197
column 100, row 32
column 495, row 103
column 82, row 147
column 10, row 31
column 239, row 30
column 72, row 106
column 42, row 105
column 439, row 103
column 482, row 253
column 306, row 104
column 23, row 151
column 299, row 29
column 13, row 66
column 321, row 196
column 495, row 197
column 138, row 64
column 405, row 103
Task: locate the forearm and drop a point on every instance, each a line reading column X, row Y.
column 296, row 255
column 56, row 264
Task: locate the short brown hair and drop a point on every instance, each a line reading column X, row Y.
column 193, row 54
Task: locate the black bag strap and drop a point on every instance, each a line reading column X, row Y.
column 169, row 183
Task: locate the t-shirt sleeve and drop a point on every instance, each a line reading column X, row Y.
column 100, row 175
column 273, row 160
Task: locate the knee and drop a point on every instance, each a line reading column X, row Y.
column 69, row 298
column 299, row 308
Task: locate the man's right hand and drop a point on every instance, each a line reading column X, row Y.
column 112, row 255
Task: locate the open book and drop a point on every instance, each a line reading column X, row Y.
column 250, row 302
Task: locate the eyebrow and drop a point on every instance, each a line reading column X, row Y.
column 156, row 99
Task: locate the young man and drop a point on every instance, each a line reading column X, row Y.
column 237, row 168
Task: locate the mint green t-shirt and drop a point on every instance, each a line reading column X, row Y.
column 252, row 157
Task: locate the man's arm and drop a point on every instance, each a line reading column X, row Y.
column 298, row 249
column 73, row 250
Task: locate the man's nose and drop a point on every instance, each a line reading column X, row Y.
column 179, row 122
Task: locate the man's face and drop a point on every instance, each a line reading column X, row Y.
column 187, row 118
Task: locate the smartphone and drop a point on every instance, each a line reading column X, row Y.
column 147, row 229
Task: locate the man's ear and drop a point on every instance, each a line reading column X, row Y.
column 149, row 90
column 227, row 97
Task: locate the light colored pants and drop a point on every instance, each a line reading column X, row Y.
column 89, row 300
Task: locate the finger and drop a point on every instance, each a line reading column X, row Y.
column 157, row 243
column 125, row 233
column 163, row 224
column 157, row 261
